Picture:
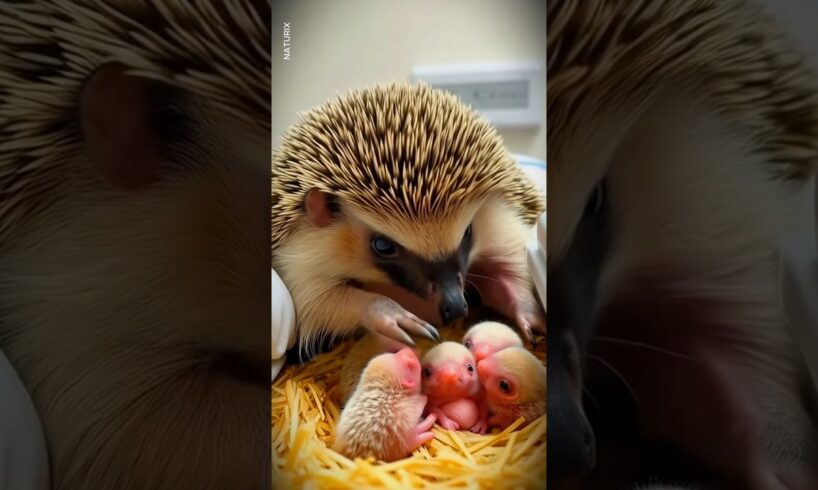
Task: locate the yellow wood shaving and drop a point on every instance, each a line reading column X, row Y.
column 304, row 414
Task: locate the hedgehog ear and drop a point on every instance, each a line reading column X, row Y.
column 116, row 123
column 320, row 208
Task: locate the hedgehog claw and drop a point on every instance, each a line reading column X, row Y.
column 395, row 332
column 432, row 333
column 402, row 336
column 416, row 326
column 388, row 318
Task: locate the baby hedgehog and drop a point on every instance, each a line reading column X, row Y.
column 486, row 338
column 451, row 383
column 514, row 383
column 386, row 202
column 369, row 346
column 383, row 416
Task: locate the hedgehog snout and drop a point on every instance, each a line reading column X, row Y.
column 452, row 305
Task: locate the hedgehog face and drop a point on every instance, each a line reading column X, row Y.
column 436, row 274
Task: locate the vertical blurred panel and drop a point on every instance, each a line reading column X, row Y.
column 683, row 143
column 134, row 244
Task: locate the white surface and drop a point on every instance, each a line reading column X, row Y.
column 536, row 253
column 23, row 454
column 537, row 250
column 337, row 47
column 453, row 76
column 283, row 323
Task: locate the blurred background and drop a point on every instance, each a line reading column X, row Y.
column 338, row 46
column 797, row 19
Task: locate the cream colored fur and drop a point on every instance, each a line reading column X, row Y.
column 111, row 301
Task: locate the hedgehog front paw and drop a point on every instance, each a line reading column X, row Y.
column 388, row 318
column 530, row 317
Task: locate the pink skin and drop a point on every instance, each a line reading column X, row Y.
column 407, row 366
column 499, row 291
column 454, row 396
column 423, row 433
column 501, row 401
column 483, row 349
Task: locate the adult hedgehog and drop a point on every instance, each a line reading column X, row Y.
column 680, row 134
column 133, row 237
column 386, row 202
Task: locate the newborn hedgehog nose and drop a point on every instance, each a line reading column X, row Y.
column 481, row 353
column 408, row 356
column 484, row 367
column 448, row 376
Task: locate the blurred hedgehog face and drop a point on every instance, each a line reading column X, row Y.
column 571, row 322
column 184, row 179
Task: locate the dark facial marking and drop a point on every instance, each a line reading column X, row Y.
column 414, row 273
column 570, row 322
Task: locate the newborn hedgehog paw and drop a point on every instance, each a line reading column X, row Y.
column 447, row 423
column 480, row 427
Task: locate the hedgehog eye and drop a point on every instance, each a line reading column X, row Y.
column 504, row 386
column 384, row 247
column 470, row 368
column 468, row 344
column 427, row 372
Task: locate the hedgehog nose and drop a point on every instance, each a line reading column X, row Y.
column 453, row 304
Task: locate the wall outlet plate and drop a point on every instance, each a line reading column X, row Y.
column 508, row 94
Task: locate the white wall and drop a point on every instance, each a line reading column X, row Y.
column 340, row 45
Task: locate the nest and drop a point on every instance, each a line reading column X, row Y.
column 305, row 409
